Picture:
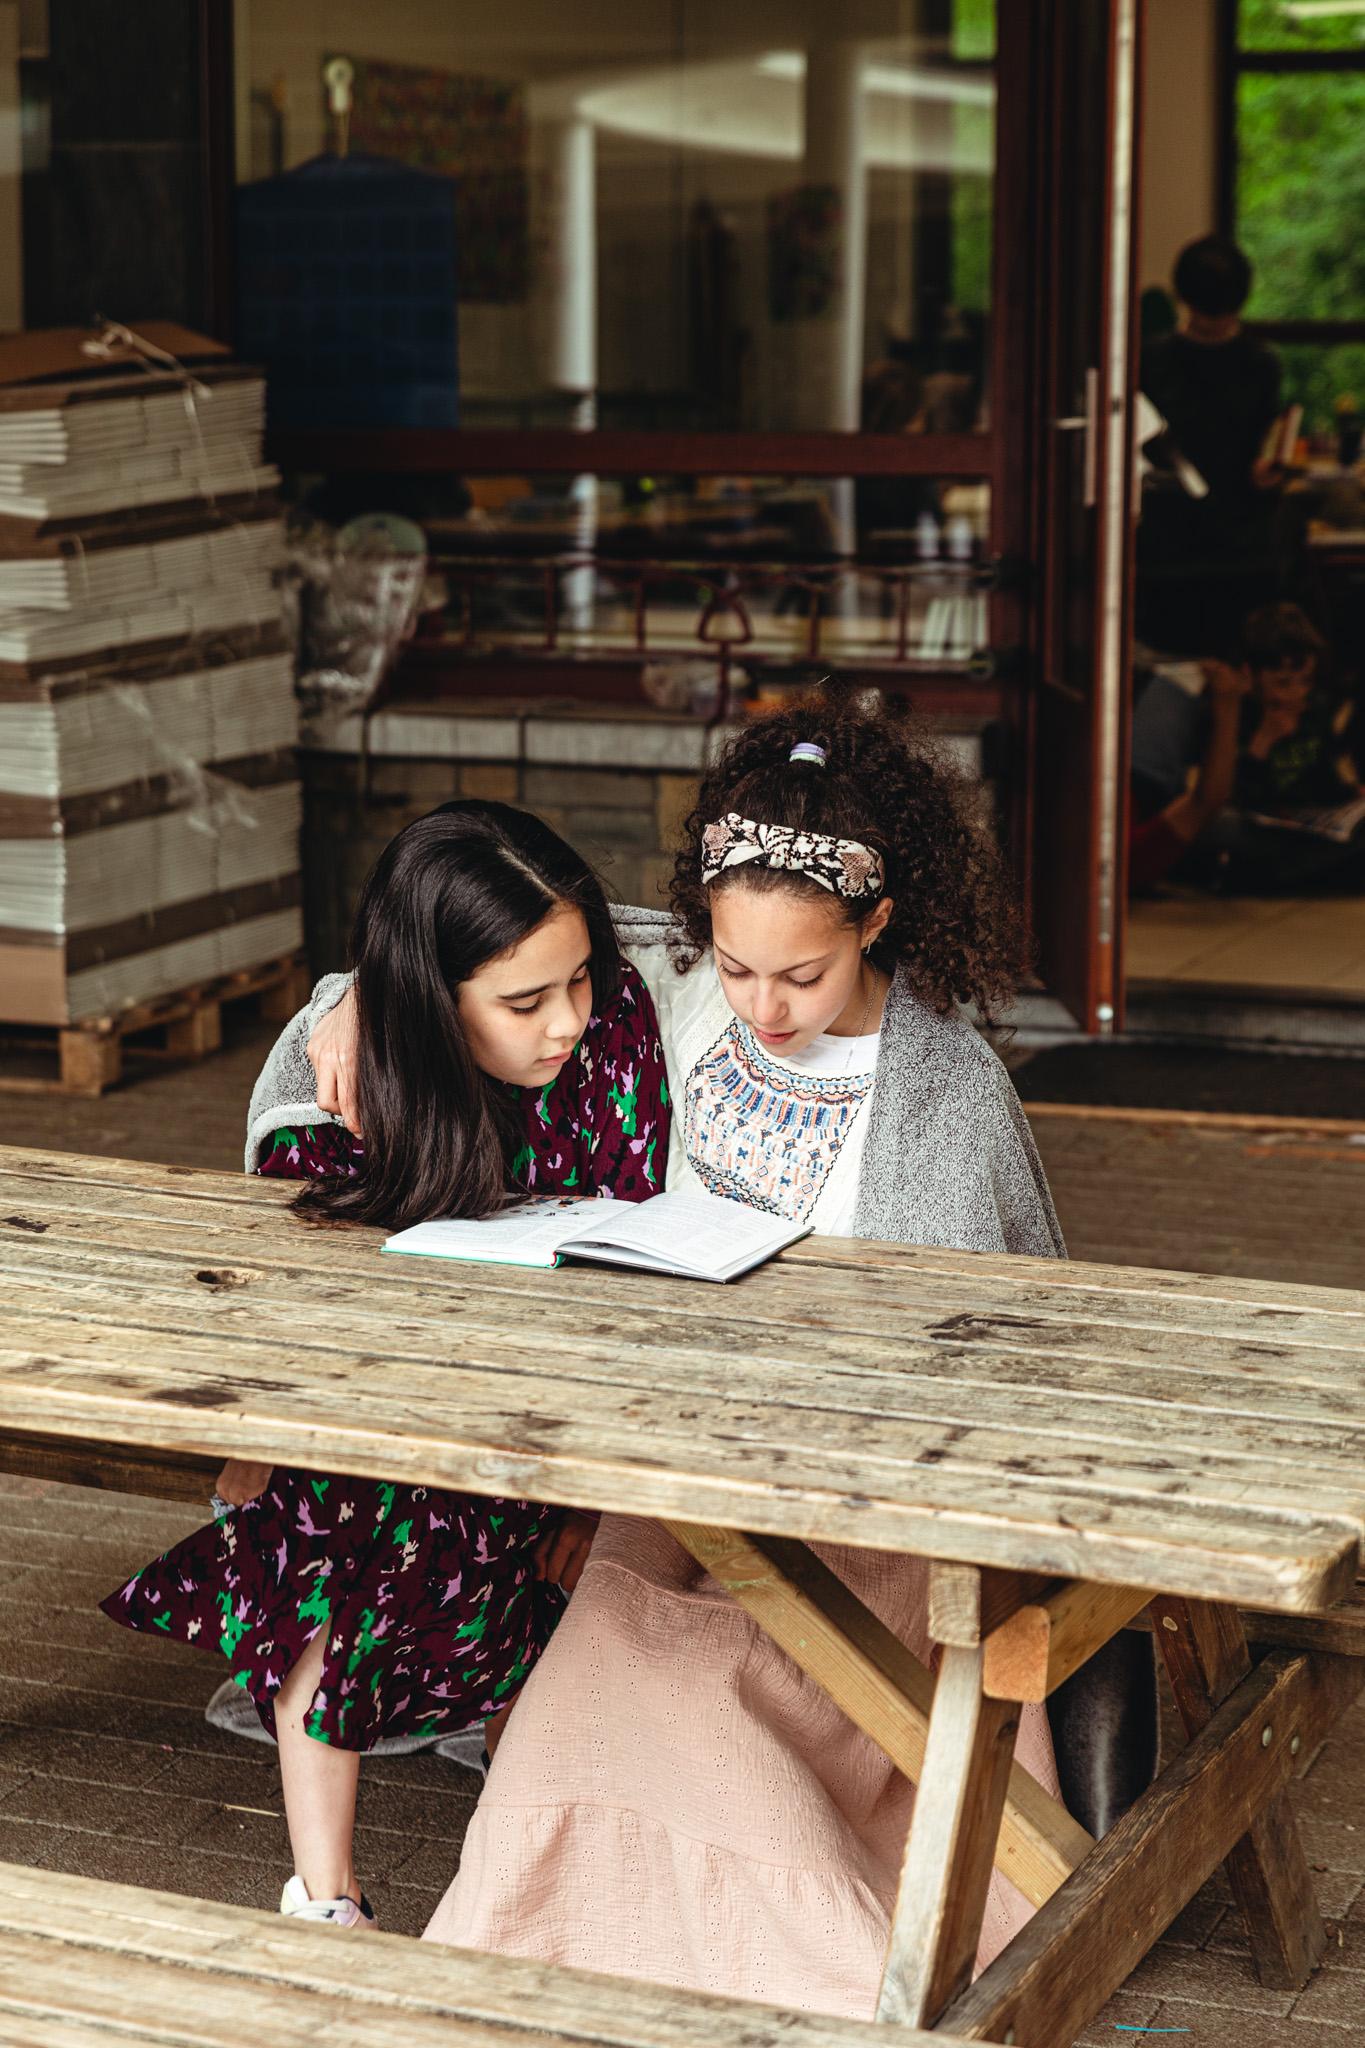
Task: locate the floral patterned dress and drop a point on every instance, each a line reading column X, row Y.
column 433, row 1612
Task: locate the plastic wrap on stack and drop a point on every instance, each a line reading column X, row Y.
column 149, row 797
column 353, row 599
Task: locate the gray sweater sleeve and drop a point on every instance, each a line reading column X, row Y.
column 949, row 1157
column 286, row 1087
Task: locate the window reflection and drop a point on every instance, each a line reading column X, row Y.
column 711, row 583
column 682, row 216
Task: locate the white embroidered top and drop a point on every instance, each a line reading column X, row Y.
column 785, row 1135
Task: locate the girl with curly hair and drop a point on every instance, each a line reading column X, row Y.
column 674, row 1798
column 835, row 913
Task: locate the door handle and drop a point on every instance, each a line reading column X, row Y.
column 1087, row 423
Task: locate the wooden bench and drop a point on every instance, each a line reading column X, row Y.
column 87, row 1965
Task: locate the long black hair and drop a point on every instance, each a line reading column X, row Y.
column 452, row 891
column 955, row 926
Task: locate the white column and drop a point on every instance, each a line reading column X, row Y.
column 830, row 353
column 835, row 154
column 570, row 157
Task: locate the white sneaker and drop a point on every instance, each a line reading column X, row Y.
column 295, row 1904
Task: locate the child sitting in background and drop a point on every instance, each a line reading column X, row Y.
column 1297, row 733
column 1255, row 766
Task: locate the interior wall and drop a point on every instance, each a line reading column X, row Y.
column 1180, row 132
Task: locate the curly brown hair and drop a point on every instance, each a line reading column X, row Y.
column 955, row 926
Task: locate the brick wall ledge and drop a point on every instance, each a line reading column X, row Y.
column 513, row 729
column 540, row 730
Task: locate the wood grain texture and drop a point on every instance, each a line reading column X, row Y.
column 936, row 1926
column 84, row 1962
column 1083, row 1943
column 1030, row 1654
column 1075, row 1423
column 880, row 1685
column 1206, row 1655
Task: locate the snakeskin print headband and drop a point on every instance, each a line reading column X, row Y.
column 843, row 866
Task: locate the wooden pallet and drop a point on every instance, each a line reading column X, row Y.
column 88, row 1057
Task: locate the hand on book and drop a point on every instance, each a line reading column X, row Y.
column 563, row 1550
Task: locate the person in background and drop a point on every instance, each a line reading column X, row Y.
column 1163, row 827
column 1249, row 770
column 1297, row 751
column 1203, row 562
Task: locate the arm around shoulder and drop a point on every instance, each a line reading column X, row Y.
column 286, row 1087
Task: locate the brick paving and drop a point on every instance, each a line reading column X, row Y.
column 107, row 1767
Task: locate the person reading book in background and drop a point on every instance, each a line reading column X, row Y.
column 1247, row 778
column 674, row 1799
column 502, row 1044
column 1202, row 562
column 1299, row 754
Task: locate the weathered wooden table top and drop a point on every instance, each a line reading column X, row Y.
column 1189, row 1434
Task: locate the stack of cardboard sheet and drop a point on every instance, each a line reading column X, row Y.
column 149, row 802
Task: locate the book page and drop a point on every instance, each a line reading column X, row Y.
column 527, row 1234
column 701, row 1233
column 1339, row 822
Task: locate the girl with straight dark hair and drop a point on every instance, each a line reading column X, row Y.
column 503, row 1046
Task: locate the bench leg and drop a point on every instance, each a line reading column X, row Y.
column 1206, row 1657
column 949, row 1853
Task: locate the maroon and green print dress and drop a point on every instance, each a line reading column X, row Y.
column 433, row 1613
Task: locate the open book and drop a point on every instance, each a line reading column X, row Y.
column 699, row 1237
column 1338, row 822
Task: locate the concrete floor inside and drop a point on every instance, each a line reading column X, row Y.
column 1283, row 945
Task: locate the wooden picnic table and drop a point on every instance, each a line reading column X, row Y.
column 1072, row 1446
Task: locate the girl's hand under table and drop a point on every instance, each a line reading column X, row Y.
column 563, row 1550
column 239, row 1481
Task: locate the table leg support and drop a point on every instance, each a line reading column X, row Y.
column 1206, row 1656
column 959, row 1803
column 1083, row 1943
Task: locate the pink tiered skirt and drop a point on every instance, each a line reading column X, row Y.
column 673, row 1799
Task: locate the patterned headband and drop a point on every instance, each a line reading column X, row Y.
column 843, row 866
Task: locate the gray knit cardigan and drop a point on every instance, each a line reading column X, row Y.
column 949, row 1157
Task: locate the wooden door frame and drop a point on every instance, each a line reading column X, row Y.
column 1107, row 703
column 1117, row 506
